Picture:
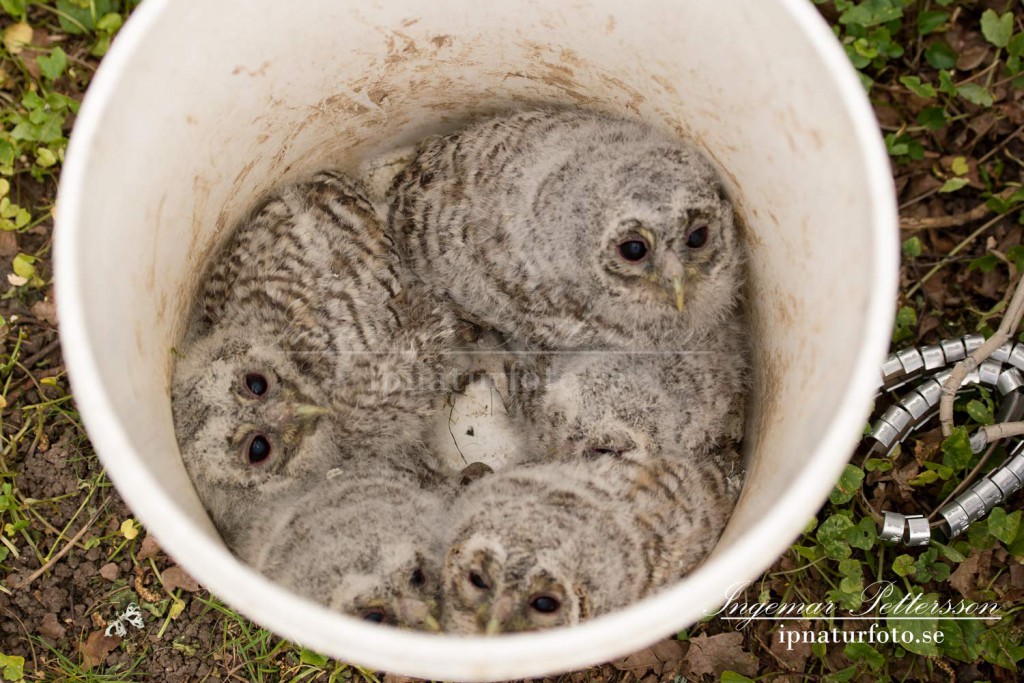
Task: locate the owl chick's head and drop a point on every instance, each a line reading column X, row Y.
column 656, row 233
column 500, row 583
column 243, row 412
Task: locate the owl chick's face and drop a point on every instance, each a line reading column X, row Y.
column 399, row 589
column 667, row 251
column 243, row 413
column 493, row 586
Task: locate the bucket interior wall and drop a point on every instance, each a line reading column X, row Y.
column 227, row 100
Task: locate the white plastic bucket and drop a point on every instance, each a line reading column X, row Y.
column 202, row 106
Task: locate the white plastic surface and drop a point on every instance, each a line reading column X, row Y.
column 202, row 106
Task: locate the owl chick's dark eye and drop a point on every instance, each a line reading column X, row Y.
column 698, row 237
column 418, row 578
column 634, row 250
column 256, row 383
column 258, row 449
column 545, row 604
column 478, row 581
column 375, row 615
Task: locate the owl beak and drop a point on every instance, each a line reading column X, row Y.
column 500, row 614
column 308, row 412
column 417, row 613
column 678, row 292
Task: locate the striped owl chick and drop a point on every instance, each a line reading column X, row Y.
column 365, row 541
column 557, row 543
column 301, row 316
column 685, row 403
column 571, row 229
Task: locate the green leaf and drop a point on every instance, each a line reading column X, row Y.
column 872, row 13
column 857, row 652
column 307, row 656
column 920, row 640
column 979, row 412
column 864, row 535
column 45, row 158
column 975, row 94
column 848, row 485
column 16, row 8
column 903, row 565
column 956, row 449
column 76, row 19
column 733, row 677
column 949, row 552
column 23, row 265
column 997, row 28
column 1016, row 254
column 53, row 65
column 906, row 321
column 13, row 667
column 832, row 535
column 1004, row 526
column 930, row 21
column 877, row 464
column 912, row 247
column 932, row 118
column 940, row 55
column 953, row 184
column 925, row 478
column 919, row 88
column 946, row 84
column 959, row 166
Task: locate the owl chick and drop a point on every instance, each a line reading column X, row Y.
column 684, row 403
column 570, row 229
column 302, row 316
column 553, row 544
column 365, row 540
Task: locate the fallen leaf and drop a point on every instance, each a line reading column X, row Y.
column 175, row 577
column 17, row 36
column 96, row 648
column 148, row 549
column 8, row 244
column 718, row 653
column 46, row 311
column 792, row 654
column 16, row 280
column 128, row 529
column 109, row 571
column 51, row 628
column 657, row 657
column 966, row 577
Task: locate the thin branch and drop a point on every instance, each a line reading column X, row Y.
column 1009, row 325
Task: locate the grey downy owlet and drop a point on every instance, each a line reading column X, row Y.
column 302, row 340
column 366, row 540
column 571, row 229
column 557, row 543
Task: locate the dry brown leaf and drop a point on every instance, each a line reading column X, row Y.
column 793, row 656
column 8, row 244
column 46, row 311
column 175, row 577
column 148, row 549
column 96, row 648
column 666, row 654
column 965, row 578
column 722, row 652
column 110, row 571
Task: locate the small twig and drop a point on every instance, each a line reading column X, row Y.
column 1003, row 430
column 41, row 353
column 949, row 257
column 933, row 222
column 1009, row 325
column 56, row 558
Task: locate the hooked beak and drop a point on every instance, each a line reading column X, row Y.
column 678, row 291
column 309, row 412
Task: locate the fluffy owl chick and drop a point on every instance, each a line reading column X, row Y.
column 553, row 544
column 302, row 315
column 653, row 404
column 365, row 541
column 570, row 229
